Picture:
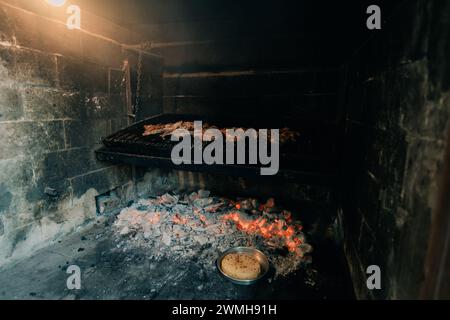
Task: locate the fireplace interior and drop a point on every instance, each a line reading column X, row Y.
column 363, row 178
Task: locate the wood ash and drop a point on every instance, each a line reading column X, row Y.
column 199, row 227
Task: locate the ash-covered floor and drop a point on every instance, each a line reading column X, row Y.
column 108, row 273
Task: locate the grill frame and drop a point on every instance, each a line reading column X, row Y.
column 317, row 166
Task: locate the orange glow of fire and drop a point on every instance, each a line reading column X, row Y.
column 155, row 219
column 279, row 229
column 179, row 220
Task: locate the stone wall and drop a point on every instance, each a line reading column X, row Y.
column 61, row 91
column 397, row 119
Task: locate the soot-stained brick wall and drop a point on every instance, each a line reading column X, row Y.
column 398, row 111
column 61, row 91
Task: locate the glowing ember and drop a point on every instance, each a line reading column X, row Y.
column 279, row 230
column 183, row 226
column 177, row 219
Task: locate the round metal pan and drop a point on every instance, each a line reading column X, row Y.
column 258, row 255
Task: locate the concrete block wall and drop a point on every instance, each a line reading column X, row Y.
column 398, row 109
column 61, row 91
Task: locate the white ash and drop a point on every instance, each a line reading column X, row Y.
column 201, row 227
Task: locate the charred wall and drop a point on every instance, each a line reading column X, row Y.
column 248, row 59
column 61, row 91
column 397, row 117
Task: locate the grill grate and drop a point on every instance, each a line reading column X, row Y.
column 314, row 151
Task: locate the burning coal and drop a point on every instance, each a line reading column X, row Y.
column 201, row 226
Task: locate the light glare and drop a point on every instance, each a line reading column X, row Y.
column 56, row 3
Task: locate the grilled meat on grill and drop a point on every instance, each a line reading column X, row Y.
column 166, row 130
